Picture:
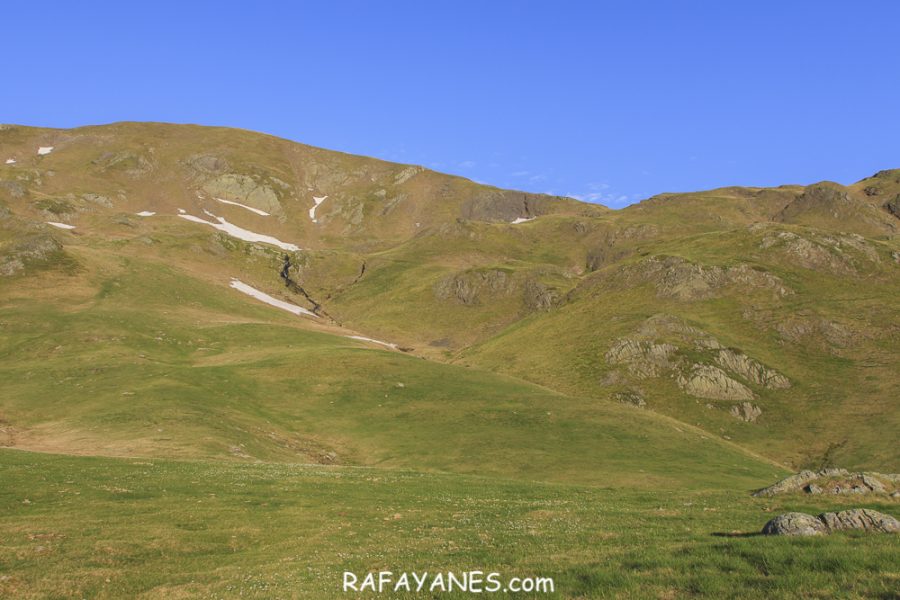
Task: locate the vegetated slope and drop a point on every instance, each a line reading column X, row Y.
column 135, row 358
column 764, row 316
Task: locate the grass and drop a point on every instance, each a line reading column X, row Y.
column 138, row 528
column 122, row 373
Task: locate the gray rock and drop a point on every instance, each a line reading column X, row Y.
column 707, row 381
column 788, row 484
column 873, row 484
column 795, row 523
column 860, row 518
column 751, row 370
column 813, row 489
column 746, row 412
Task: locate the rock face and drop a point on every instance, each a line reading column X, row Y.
column 861, row 519
column 834, row 481
column 502, row 206
column 795, row 523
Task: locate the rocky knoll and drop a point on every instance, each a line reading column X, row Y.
column 802, row 524
column 835, row 481
column 665, row 346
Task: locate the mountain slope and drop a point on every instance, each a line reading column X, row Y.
column 763, row 317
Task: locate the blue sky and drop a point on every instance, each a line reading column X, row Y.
column 607, row 101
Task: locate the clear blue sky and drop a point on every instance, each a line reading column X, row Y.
column 608, row 101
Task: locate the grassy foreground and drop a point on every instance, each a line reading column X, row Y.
column 111, row 528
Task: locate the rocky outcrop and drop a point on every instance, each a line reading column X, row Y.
column 893, row 206
column 504, row 206
column 665, row 346
column 860, row 519
column 746, row 412
column 679, row 279
column 537, row 296
column 751, row 370
column 707, row 381
column 795, row 523
column 834, row 481
column 35, row 250
column 132, row 164
column 244, row 189
column 631, row 398
column 830, row 205
column 470, row 287
column 642, row 358
column 840, row 254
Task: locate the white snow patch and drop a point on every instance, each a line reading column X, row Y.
column 241, row 233
column 145, row 213
column 312, row 212
column 10, row 161
column 45, row 150
column 521, row 220
column 264, row 297
column 365, row 339
column 61, row 225
column 181, row 211
column 250, row 208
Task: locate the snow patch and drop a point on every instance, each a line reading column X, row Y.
column 10, row 161
column 250, row 208
column 521, row 220
column 145, row 213
column 264, row 297
column 181, row 211
column 365, row 339
column 45, row 150
column 240, row 232
column 312, row 212
column 61, row 225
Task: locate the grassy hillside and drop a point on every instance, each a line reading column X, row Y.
column 146, row 361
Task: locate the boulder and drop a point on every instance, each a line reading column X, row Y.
column 860, row 518
column 795, row 523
